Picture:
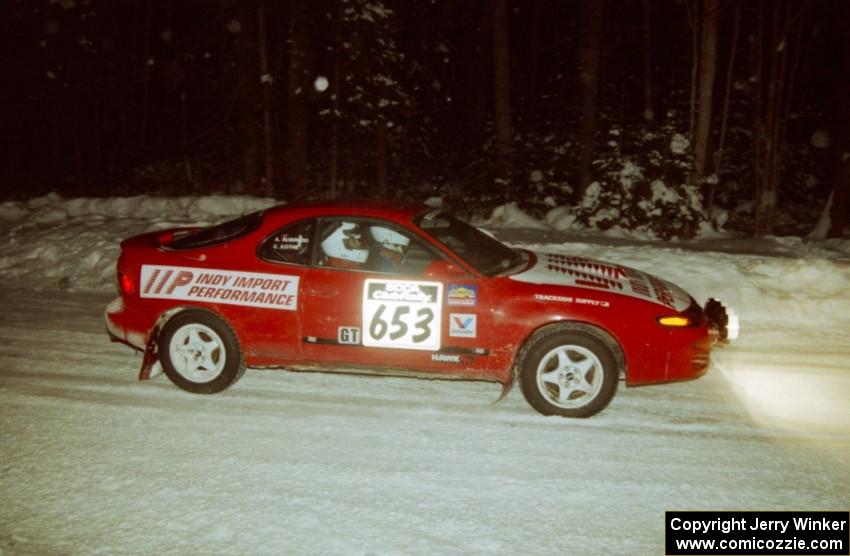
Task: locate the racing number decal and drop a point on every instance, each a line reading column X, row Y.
column 402, row 314
column 378, row 326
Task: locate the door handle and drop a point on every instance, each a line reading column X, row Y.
column 318, row 292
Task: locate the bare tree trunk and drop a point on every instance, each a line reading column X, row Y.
column 502, row 93
column 266, row 96
column 648, row 112
column 591, row 21
column 757, row 61
column 774, row 102
column 727, row 96
column 766, row 187
column 840, row 195
column 765, row 200
column 297, row 113
column 532, row 100
column 184, row 134
column 708, row 70
column 476, row 82
column 147, row 69
column 382, row 142
column 76, row 136
column 248, row 83
column 693, row 22
column 841, row 182
column 335, row 115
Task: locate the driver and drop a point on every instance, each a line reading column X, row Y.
column 392, row 247
column 345, row 247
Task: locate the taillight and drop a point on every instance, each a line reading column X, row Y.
column 126, row 284
column 165, row 237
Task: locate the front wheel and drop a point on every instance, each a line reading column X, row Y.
column 200, row 353
column 568, row 372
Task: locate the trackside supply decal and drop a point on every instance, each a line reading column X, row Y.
column 596, row 275
column 402, row 314
column 569, row 299
column 209, row 285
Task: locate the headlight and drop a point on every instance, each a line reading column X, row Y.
column 675, row 321
column 692, row 316
column 723, row 319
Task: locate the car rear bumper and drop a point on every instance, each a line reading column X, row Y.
column 125, row 325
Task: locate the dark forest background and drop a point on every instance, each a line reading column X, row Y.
column 662, row 114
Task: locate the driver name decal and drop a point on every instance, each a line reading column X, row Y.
column 209, row 285
column 402, row 314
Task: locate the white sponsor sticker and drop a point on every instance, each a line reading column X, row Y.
column 402, row 314
column 210, row 285
column 348, row 335
column 463, row 325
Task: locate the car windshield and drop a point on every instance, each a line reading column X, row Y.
column 486, row 254
column 220, row 233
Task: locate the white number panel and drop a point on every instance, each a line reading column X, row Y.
column 402, row 314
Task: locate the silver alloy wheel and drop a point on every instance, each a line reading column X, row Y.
column 197, row 353
column 570, row 376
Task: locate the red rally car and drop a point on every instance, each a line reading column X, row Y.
column 402, row 290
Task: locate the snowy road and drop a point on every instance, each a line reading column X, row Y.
column 94, row 462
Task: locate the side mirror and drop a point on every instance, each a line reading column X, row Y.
column 441, row 269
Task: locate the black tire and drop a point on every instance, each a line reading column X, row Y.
column 568, row 371
column 200, row 353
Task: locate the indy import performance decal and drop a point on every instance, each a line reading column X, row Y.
column 209, row 285
column 402, row 314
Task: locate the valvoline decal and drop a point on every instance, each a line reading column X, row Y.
column 463, row 325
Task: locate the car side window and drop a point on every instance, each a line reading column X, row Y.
column 416, row 258
column 290, row 244
column 373, row 246
column 343, row 244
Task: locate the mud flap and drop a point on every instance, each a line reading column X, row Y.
column 507, row 386
column 506, row 389
column 151, row 367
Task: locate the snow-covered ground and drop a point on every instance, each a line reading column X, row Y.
column 94, row 462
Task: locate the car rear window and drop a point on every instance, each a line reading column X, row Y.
column 220, row 233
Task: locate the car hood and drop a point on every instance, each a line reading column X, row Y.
column 582, row 272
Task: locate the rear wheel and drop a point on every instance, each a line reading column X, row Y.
column 200, row 353
column 568, row 371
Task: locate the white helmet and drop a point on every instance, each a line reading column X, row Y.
column 346, row 243
column 389, row 239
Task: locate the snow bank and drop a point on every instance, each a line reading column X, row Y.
column 53, row 208
column 73, row 243
column 565, row 218
column 511, row 216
